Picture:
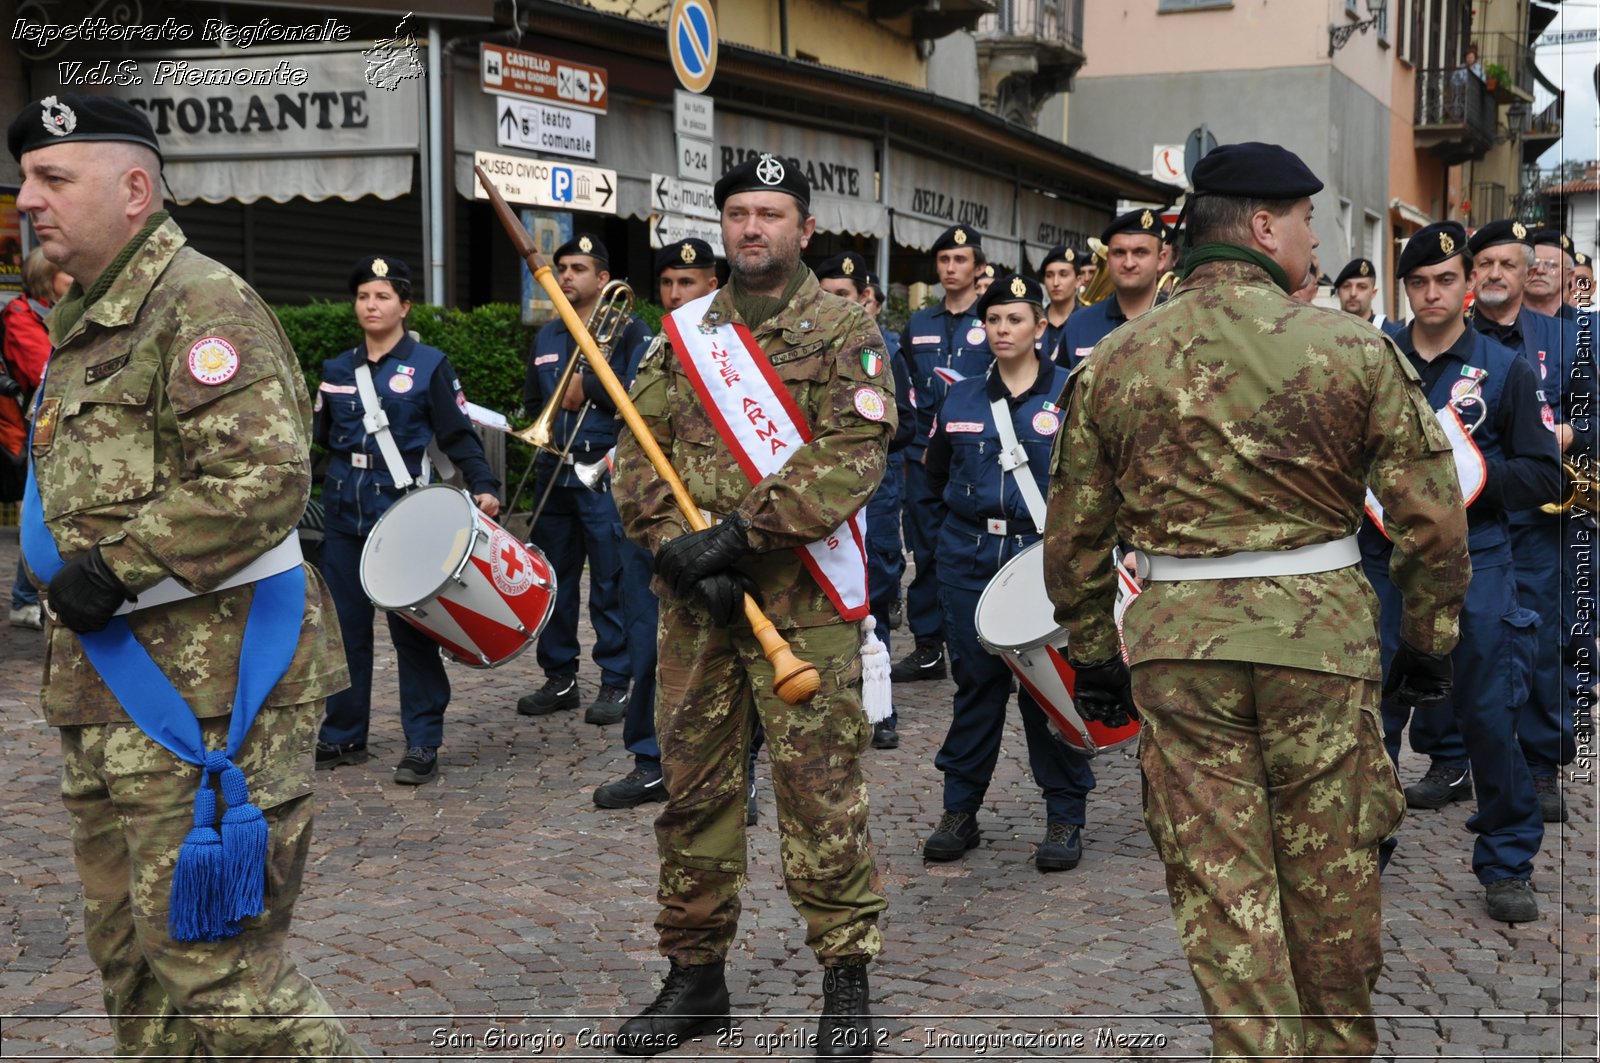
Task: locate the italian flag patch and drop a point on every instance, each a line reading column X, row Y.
column 872, row 362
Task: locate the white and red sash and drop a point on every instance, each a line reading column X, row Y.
column 759, row 421
column 1471, row 469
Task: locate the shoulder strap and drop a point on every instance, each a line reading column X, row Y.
column 376, row 422
column 1014, row 460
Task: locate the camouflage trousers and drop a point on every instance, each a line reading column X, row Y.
column 712, row 684
column 131, row 803
column 1266, row 793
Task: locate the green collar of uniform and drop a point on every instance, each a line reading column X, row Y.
column 755, row 309
column 1204, row 253
column 77, row 302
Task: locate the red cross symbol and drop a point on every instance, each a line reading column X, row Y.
column 512, row 559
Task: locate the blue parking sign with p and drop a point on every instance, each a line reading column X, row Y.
column 561, row 184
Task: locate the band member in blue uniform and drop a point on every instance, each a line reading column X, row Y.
column 846, row 276
column 579, row 524
column 940, row 343
column 1135, row 249
column 886, row 533
column 1357, row 286
column 1548, row 549
column 1493, row 391
column 1060, row 276
column 421, row 395
column 684, row 272
column 993, row 514
column 1549, row 287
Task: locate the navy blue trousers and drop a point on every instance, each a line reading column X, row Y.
column 580, row 525
column 922, row 515
column 1492, row 664
column 643, row 613
column 972, row 747
column 1547, row 553
column 886, row 560
column 424, row 686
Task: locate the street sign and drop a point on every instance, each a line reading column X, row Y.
column 669, row 229
column 537, row 127
column 542, row 183
column 1167, row 165
column 692, row 42
column 694, row 159
column 514, row 72
column 692, row 116
column 1195, row 148
column 670, row 195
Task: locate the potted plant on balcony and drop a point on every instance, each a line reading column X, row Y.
column 1497, row 79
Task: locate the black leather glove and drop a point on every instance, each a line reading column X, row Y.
column 86, row 594
column 688, row 559
column 1419, row 680
column 1104, row 692
column 722, row 593
column 9, row 387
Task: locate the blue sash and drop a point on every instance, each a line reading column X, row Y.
column 220, row 876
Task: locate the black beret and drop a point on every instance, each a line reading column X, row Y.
column 1357, row 268
column 957, row 236
column 850, row 265
column 1085, row 258
column 1014, row 288
column 988, row 270
column 1142, row 222
column 1059, row 253
column 686, row 254
column 583, row 244
column 1432, row 245
column 764, row 173
column 1499, row 232
column 1580, row 258
column 378, row 268
column 1254, row 170
column 67, row 116
column 1553, row 237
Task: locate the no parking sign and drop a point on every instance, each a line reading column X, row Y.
column 692, row 40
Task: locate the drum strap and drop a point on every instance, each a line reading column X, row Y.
column 1014, row 460
column 1251, row 564
column 376, row 423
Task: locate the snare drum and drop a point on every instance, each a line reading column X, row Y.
column 1016, row 622
column 444, row 567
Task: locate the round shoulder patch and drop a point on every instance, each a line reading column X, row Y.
column 1046, row 423
column 213, row 360
column 399, row 383
column 869, row 404
column 976, row 335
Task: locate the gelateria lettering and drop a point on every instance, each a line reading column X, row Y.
column 834, row 177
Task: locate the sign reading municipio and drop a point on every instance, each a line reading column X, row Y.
column 514, row 72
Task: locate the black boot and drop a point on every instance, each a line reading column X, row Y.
column 846, row 1030
column 692, row 1001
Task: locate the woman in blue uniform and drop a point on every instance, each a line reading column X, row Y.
column 993, row 515
column 421, row 395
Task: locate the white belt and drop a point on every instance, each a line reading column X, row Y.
column 280, row 558
column 1302, row 560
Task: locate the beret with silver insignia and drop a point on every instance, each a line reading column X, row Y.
column 764, row 173
column 67, row 117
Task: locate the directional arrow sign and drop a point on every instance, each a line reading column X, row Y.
column 673, row 195
column 669, row 229
column 537, row 127
column 514, row 72
column 542, row 183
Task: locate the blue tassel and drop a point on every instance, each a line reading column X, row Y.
column 244, row 850
column 192, row 909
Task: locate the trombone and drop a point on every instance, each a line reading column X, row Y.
column 1099, row 285
column 611, row 314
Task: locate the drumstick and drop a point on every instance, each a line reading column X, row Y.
column 793, row 680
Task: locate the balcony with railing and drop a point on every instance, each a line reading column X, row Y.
column 1508, row 63
column 1028, row 51
column 1543, row 129
column 1455, row 117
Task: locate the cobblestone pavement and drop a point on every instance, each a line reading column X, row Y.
column 496, row 913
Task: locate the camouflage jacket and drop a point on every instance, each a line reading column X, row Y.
column 1234, row 418
column 818, row 346
column 175, row 476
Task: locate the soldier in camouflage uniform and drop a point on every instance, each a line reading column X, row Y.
column 713, row 681
column 172, row 440
column 1230, row 434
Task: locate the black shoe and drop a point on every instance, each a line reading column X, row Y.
column 608, row 706
column 751, row 813
column 846, row 1030
column 956, row 833
column 1061, row 849
column 1442, row 785
column 556, row 694
column 1511, row 900
column 330, row 756
column 420, row 764
column 635, row 788
column 897, row 614
column 1552, row 805
column 924, row 662
column 884, row 736
column 692, row 1001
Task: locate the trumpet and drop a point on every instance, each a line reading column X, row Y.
column 1583, row 493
